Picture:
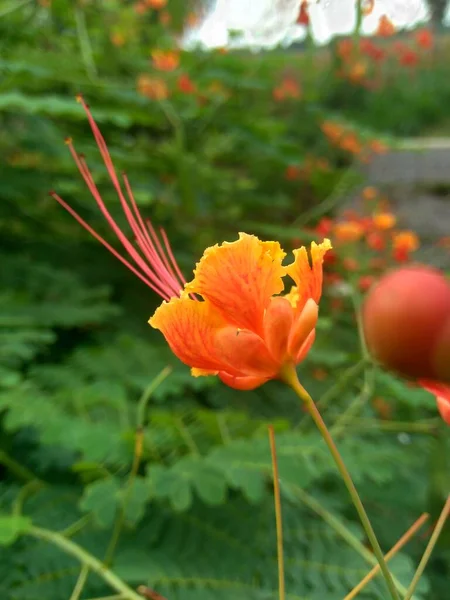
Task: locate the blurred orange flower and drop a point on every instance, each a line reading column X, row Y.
column 156, row 4
column 165, row 60
column 303, row 15
column 289, row 88
column 384, row 220
column 117, row 39
column 404, row 242
column 369, row 193
column 152, row 87
column 186, row 85
column 243, row 330
column 292, row 173
column 385, row 27
column 348, row 231
column 424, row 38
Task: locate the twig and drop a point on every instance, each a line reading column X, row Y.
column 429, row 549
column 137, row 455
column 278, row 516
column 81, row 581
column 398, row 546
column 94, row 565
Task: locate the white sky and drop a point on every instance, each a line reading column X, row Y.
column 267, row 23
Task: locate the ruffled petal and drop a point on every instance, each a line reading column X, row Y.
column 190, row 329
column 239, row 279
column 244, row 352
column 242, row 383
column 308, row 278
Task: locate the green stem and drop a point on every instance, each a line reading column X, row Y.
column 16, row 468
column 81, row 582
column 85, row 44
column 290, row 377
column 278, row 515
column 138, row 448
column 86, row 559
column 429, row 549
column 345, row 533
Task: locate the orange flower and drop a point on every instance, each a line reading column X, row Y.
column 442, row 394
column 369, row 193
column 303, row 15
column 289, row 88
column 350, row 143
column 243, row 330
column 186, row 85
column 424, row 39
column 407, row 57
column 376, row 241
column 365, row 282
column 348, row 231
column 404, row 242
column 152, row 87
column 156, row 4
column 165, row 60
column 165, row 18
column 350, row 264
column 384, row 220
column 345, row 48
column 378, row 147
column 385, row 27
column 332, row 130
column 117, row 38
column 292, row 172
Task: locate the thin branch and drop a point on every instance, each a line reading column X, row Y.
column 94, row 565
column 429, row 549
column 392, row 552
column 278, row 515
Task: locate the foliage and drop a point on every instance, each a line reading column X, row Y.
column 81, row 372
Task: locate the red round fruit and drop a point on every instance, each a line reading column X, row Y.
column 406, row 319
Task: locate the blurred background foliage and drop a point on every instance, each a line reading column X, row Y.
column 213, row 143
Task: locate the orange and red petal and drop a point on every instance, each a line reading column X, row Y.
column 278, row 321
column 308, row 278
column 190, row 329
column 242, row 383
column 304, row 324
column 245, row 353
column 442, row 393
column 239, row 279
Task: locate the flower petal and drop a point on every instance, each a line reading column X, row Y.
column 242, row 383
column 304, row 324
column 306, row 347
column 239, row 278
column 277, row 326
column 308, row 278
column 244, row 352
column 442, row 393
column 190, row 328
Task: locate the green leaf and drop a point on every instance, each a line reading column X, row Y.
column 101, row 498
column 11, row 527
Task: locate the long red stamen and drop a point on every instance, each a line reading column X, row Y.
column 154, row 261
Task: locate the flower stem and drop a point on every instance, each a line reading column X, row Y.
column 86, row 559
column 392, row 552
column 290, row 377
column 278, row 518
column 429, row 549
